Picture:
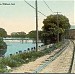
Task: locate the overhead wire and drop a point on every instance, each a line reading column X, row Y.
column 34, row 8
column 48, row 6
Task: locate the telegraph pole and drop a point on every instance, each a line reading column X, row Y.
column 36, row 25
column 57, row 26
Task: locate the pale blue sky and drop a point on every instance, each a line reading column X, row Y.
column 21, row 17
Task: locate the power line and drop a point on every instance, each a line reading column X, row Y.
column 48, row 6
column 34, row 8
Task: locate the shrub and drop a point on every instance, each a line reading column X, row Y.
column 25, row 55
column 17, row 58
column 2, row 44
column 10, row 62
column 2, row 70
column 57, row 45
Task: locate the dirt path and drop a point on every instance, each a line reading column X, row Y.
column 62, row 63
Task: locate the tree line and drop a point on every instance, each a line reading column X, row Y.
column 49, row 31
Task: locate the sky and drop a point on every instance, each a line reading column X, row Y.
column 19, row 16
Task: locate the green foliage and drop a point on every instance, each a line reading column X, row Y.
column 17, row 58
column 36, row 54
column 2, row 70
column 51, row 22
column 3, row 33
column 57, row 45
column 3, row 47
column 50, row 28
column 32, row 34
column 10, row 62
column 2, row 44
column 18, row 34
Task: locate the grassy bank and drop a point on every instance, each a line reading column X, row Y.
column 22, row 58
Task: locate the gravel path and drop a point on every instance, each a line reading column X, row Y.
column 62, row 63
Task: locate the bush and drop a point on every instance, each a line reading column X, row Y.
column 2, row 70
column 10, row 62
column 2, row 44
column 17, row 58
column 57, row 45
column 25, row 55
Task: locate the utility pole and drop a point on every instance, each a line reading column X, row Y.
column 36, row 25
column 57, row 26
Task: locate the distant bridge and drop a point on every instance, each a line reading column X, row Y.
column 21, row 39
column 17, row 39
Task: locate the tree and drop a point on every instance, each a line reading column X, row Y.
column 2, row 44
column 3, row 33
column 32, row 34
column 3, row 47
column 50, row 28
column 18, row 34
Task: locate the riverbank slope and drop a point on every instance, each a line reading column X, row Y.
column 59, row 65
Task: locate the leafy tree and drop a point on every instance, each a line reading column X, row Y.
column 3, row 33
column 50, row 28
column 18, row 34
column 3, row 46
column 32, row 34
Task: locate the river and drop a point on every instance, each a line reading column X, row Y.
column 16, row 46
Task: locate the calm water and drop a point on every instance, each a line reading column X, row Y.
column 16, row 46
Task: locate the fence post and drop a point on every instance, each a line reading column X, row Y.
column 16, row 52
column 20, row 51
column 10, row 54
